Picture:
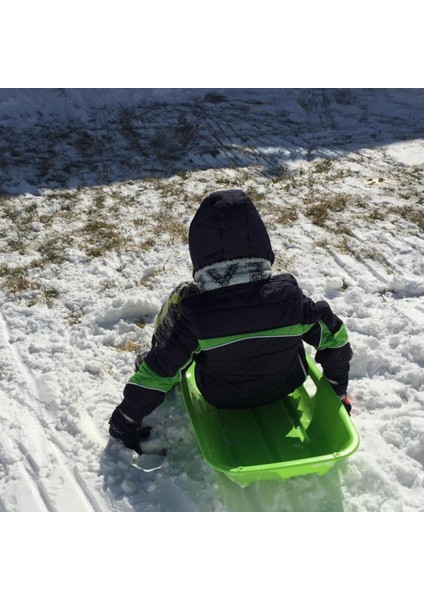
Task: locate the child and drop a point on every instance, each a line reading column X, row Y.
column 243, row 327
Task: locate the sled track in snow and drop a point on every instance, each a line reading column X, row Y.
column 353, row 273
column 33, row 470
column 48, row 474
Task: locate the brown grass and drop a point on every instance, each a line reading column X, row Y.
column 100, row 238
column 286, row 215
column 128, row 346
column 319, row 209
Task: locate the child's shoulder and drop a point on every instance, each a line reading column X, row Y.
column 284, row 280
column 282, row 287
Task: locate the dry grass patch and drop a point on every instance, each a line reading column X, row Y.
column 173, row 228
column 320, row 209
column 17, row 283
column 128, row 346
column 285, row 215
column 101, row 237
column 53, row 248
column 322, row 166
column 74, row 316
column 412, row 214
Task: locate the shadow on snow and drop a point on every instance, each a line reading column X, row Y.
column 68, row 138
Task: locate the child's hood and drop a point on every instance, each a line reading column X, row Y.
column 227, row 226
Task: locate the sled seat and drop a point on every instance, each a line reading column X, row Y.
column 304, row 432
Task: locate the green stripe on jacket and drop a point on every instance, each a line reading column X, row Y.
column 289, row 331
column 332, row 340
column 148, row 378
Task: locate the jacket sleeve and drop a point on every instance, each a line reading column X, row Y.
column 172, row 350
column 329, row 336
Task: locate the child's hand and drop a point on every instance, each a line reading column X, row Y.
column 128, row 431
column 346, row 403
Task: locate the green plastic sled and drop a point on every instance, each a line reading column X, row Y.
column 300, row 434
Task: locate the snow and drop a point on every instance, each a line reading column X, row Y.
column 98, row 188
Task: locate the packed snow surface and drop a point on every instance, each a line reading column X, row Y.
column 98, row 188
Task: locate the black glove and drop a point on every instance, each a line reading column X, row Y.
column 131, row 433
column 335, row 364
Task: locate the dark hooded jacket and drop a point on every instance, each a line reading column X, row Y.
column 243, row 327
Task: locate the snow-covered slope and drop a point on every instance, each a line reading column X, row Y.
column 97, row 190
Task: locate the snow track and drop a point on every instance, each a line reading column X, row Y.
column 42, row 464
